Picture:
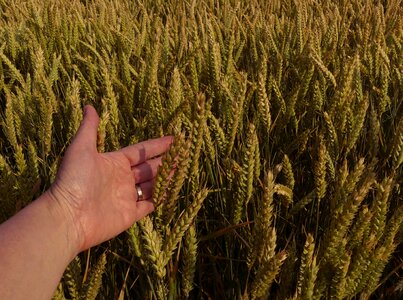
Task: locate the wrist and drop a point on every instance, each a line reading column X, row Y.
column 64, row 220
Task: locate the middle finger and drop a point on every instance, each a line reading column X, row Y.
column 147, row 170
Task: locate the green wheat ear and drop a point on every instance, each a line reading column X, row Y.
column 245, row 180
column 181, row 173
column 72, row 278
column 320, row 171
column 266, row 273
column 153, row 245
column 59, row 293
column 189, row 260
column 182, row 225
column 264, row 235
column 95, row 278
column 263, row 98
column 168, row 163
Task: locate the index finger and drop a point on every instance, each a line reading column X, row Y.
column 143, row 151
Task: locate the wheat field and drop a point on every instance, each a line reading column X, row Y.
column 288, row 153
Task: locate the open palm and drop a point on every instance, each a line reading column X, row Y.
column 98, row 189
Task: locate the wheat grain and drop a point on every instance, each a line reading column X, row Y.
column 320, row 172
column 266, row 274
column 20, row 160
column 357, row 233
column 189, row 261
column 9, row 123
column 71, row 276
column 379, row 207
column 198, row 129
column 339, row 279
column 87, row 88
column 264, row 236
column 73, row 98
column 182, row 225
column 168, row 161
column 279, row 96
column 16, row 74
column 153, row 245
column 234, row 117
column 325, row 71
column 263, row 99
column 244, row 187
column 306, row 81
column 343, row 220
column 95, row 279
column 396, row 152
column 306, row 261
column 358, row 123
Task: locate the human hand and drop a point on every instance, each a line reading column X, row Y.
column 96, row 191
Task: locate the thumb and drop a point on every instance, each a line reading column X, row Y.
column 86, row 136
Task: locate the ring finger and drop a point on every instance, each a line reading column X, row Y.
column 147, row 189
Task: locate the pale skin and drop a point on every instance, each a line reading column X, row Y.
column 92, row 200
